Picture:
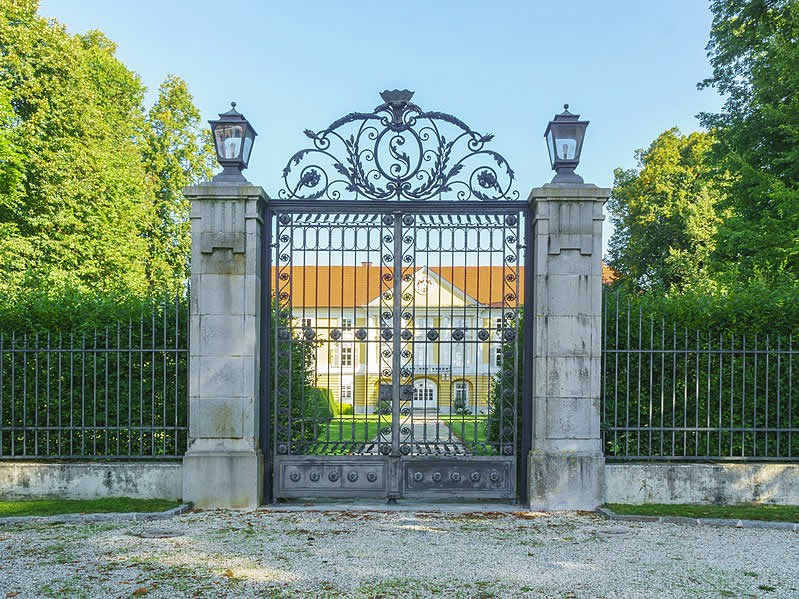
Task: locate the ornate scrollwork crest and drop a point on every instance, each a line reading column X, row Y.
column 398, row 151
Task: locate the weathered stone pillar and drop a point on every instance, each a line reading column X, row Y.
column 566, row 464
column 223, row 466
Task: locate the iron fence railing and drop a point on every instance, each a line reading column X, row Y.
column 110, row 393
column 670, row 393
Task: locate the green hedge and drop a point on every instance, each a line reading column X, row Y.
column 90, row 376
column 704, row 367
column 758, row 307
column 112, row 372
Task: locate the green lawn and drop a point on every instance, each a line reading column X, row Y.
column 783, row 513
column 468, row 429
column 358, row 428
column 53, row 507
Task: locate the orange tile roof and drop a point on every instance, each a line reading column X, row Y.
column 349, row 286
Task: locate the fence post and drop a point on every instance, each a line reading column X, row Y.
column 566, row 464
column 223, row 466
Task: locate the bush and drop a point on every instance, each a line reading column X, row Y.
column 757, row 307
column 70, row 311
column 319, row 405
column 502, row 399
column 460, row 407
column 336, row 408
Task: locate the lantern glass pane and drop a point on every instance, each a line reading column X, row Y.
column 229, row 138
column 568, row 139
column 248, row 141
column 551, row 146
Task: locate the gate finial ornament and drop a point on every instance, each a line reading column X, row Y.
column 398, row 151
column 397, row 100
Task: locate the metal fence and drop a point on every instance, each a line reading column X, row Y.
column 670, row 393
column 110, row 393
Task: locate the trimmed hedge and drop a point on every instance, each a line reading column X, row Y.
column 758, row 307
column 704, row 366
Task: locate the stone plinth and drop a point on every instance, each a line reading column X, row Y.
column 566, row 464
column 223, row 466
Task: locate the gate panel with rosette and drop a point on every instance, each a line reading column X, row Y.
column 397, row 364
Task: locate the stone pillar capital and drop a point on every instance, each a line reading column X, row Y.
column 568, row 192
column 215, row 191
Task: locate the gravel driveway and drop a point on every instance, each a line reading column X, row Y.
column 400, row 554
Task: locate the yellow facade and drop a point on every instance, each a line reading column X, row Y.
column 444, row 370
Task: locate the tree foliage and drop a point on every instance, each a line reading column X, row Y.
column 177, row 152
column 754, row 54
column 665, row 213
column 84, row 204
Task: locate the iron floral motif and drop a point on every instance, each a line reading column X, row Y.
column 398, row 151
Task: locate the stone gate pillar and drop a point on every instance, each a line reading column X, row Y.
column 223, row 466
column 566, row 464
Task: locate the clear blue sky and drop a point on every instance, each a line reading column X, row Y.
column 629, row 66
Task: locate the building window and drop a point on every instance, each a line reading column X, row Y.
column 498, row 356
column 499, row 322
column 307, row 323
column 461, row 395
column 346, row 324
column 346, row 394
column 346, row 355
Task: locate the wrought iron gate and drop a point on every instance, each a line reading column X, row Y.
column 397, row 367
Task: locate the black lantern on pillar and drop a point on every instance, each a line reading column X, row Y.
column 564, row 136
column 233, row 139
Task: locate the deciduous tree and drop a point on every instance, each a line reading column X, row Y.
column 177, row 152
column 665, row 213
column 754, row 53
column 89, row 181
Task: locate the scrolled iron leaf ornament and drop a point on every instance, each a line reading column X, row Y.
column 398, row 151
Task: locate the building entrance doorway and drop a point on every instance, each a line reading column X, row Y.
column 425, row 396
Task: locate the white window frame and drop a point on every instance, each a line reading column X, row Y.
column 346, row 394
column 347, row 355
column 460, row 388
column 346, row 323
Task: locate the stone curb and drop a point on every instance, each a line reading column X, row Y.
column 610, row 515
column 109, row 517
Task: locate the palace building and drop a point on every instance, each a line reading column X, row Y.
column 466, row 307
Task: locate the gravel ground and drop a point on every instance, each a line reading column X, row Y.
column 400, row 554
